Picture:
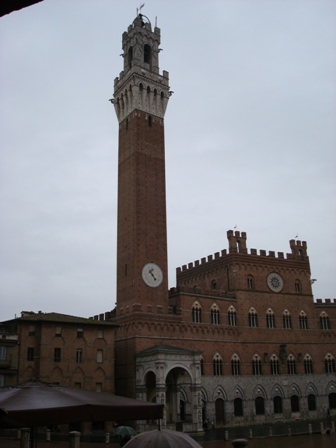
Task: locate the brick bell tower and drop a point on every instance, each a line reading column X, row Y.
column 140, row 99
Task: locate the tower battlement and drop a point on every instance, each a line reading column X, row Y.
column 325, row 302
column 237, row 245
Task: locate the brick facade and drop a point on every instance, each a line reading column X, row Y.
column 240, row 338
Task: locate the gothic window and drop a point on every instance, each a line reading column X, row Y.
column 295, row 403
column 287, row 321
column 79, row 355
column 259, row 406
column 235, row 365
column 311, row 402
column 196, row 313
column 291, row 365
column 238, row 407
column 99, row 356
column 256, row 365
column 324, row 321
column 130, row 57
column 332, row 400
column 297, row 286
column 141, row 87
column 202, row 366
column 214, row 284
column 274, row 365
column 253, row 318
column 308, row 365
column 30, row 354
column 270, row 319
column 147, row 54
column 217, row 365
column 250, row 284
column 329, row 363
column 232, row 316
column 303, row 320
column 57, row 355
column 3, row 352
column 214, row 314
column 277, row 404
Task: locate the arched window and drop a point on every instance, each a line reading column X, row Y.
column 196, row 313
column 259, row 406
column 214, row 314
column 295, row 403
column 202, row 366
column 232, row 316
column 311, row 402
column 253, row 318
column 238, row 407
column 140, row 86
column 297, row 286
column 274, row 365
column 235, row 365
column 324, row 321
column 219, row 411
column 308, row 365
column 277, row 404
column 214, row 284
column 217, row 365
column 147, row 54
column 270, row 320
column 256, row 365
column 250, row 282
column 291, row 365
column 130, row 57
column 332, row 400
column 329, row 363
column 287, row 322
column 303, row 320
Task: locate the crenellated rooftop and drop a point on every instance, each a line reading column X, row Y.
column 325, row 302
column 237, row 245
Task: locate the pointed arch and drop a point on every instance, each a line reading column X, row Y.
column 256, row 365
column 274, row 365
column 270, row 318
column 196, row 313
column 303, row 320
column 217, row 364
column 308, row 364
column 232, row 316
column 235, row 365
column 329, row 363
column 287, row 320
column 253, row 317
column 219, row 392
column 324, row 321
column 259, row 391
column 214, row 312
column 277, row 390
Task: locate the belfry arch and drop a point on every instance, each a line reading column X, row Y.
column 172, row 376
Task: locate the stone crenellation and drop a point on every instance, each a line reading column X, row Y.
column 324, row 302
column 237, row 245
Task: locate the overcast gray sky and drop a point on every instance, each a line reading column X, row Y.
column 250, row 140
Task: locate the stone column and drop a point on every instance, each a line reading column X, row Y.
column 25, row 438
column 74, row 439
column 197, row 407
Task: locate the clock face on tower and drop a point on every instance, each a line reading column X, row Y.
column 275, row 282
column 152, row 275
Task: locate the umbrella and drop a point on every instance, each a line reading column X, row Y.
column 35, row 403
column 125, row 431
column 164, row 439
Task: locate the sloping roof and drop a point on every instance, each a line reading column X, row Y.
column 61, row 318
column 8, row 6
column 168, row 349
